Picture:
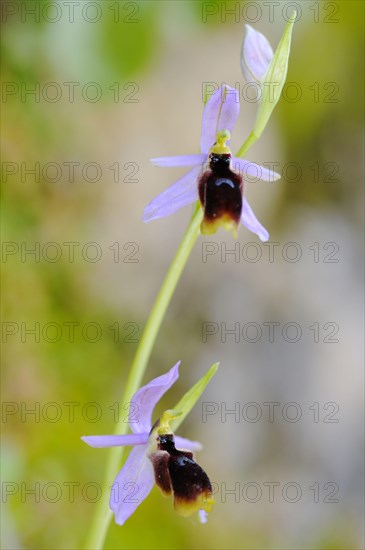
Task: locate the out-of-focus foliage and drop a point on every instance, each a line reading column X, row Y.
column 329, row 110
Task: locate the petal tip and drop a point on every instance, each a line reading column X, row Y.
column 264, row 237
column 146, row 217
column 87, row 439
column 175, row 368
column 203, row 516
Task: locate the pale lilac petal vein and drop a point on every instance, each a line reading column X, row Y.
column 230, row 110
column 181, row 193
column 221, row 112
column 146, row 398
column 256, row 55
column 132, row 485
column 249, row 220
column 182, row 443
column 183, row 160
column 254, row 170
column 101, row 441
column 210, row 121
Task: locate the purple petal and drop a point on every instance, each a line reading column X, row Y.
column 132, row 485
column 146, row 398
column 250, row 221
column 256, row 55
column 220, row 113
column 185, row 160
column 116, row 440
column 203, row 516
column 253, row 170
column 181, row 443
column 181, row 193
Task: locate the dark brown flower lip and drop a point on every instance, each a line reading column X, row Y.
column 220, row 193
column 177, row 472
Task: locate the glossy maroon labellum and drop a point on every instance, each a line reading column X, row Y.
column 220, row 193
column 176, row 471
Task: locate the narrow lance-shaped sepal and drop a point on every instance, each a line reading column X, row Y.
column 274, row 78
column 268, row 70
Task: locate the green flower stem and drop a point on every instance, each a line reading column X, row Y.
column 103, row 514
column 252, row 138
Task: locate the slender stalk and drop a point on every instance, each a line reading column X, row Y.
column 103, row 513
column 252, row 138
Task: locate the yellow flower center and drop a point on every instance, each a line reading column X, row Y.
column 220, row 147
column 164, row 426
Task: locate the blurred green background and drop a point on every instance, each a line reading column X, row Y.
column 90, row 92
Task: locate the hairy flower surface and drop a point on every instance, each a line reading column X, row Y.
column 155, row 458
column 219, row 117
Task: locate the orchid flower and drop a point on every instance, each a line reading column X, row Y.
column 256, row 55
column 219, row 117
column 260, row 65
column 155, row 458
